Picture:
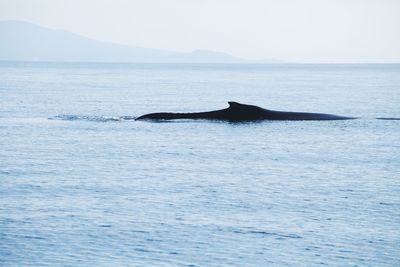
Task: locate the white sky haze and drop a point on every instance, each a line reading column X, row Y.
column 317, row 31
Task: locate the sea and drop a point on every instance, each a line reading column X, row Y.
column 84, row 184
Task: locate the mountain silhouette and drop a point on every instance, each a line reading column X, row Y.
column 23, row 41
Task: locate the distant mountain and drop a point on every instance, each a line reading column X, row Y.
column 23, row 41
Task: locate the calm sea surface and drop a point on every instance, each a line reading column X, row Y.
column 82, row 185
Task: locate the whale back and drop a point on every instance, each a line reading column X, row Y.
column 242, row 112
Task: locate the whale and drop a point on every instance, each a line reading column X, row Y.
column 237, row 112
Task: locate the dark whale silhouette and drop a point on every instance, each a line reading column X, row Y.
column 237, row 112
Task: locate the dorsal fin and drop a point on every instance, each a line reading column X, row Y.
column 233, row 104
column 236, row 105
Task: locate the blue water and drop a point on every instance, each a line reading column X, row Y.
column 81, row 184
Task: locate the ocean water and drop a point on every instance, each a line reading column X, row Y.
column 82, row 184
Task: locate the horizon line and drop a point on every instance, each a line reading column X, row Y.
column 199, row 63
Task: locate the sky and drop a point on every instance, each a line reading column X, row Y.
column 303, row 31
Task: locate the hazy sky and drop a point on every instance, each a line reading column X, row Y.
column 292, row 30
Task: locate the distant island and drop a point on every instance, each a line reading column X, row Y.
column 23, row 41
